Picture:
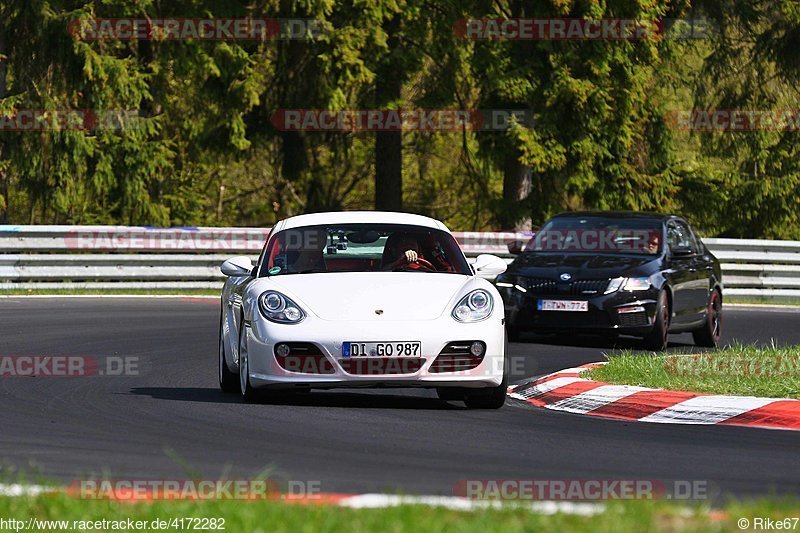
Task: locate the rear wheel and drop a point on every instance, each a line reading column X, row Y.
column 711, row 331
column 228, row 381
column 656, row 340
column 248, row 392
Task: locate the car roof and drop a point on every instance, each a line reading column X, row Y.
column 360, row 217
column 617, row 214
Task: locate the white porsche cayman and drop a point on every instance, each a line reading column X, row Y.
column 363, row 299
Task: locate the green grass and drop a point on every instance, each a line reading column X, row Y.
column 109, row 292
column 627, row 516
column 738, row 370
column 762, row 301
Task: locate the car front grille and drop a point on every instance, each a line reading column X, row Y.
column 455, row 357
column 305, row 358
column 381, row 366
column 588, row 286
column 581, row 287
column 541, row 286
column 633, row 319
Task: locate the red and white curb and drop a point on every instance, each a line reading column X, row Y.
column 567, row 391
column 369, row 501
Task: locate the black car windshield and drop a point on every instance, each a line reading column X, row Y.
column 593, row 234
column 363, row 248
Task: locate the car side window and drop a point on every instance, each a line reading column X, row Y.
column 688, row 236
column 680, row 236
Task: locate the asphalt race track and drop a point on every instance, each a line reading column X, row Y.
column 172, row 422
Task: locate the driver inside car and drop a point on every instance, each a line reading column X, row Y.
column 406, row 250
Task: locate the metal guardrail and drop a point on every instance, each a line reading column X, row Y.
column 105, row 257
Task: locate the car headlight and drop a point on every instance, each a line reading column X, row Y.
column 628, row 284
column 279, row 308
column 636, row 284
column 475, row 306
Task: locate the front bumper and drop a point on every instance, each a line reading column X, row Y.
column 603, row 315
column 265, row 371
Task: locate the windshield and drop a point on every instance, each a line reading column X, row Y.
column 598, row 235
column 363, row 248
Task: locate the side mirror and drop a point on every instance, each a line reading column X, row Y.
column 515, row 247
column 682, row 251
column 237, row 266
column 489, row 266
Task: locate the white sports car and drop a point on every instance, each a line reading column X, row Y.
column 363, row 299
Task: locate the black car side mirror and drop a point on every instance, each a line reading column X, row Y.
column 682, row 251
column 515, row 247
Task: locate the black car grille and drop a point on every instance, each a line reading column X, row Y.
column 581, row 287
column 633, row 319
column 588, row 286
column 541, row 286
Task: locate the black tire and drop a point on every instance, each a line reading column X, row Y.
column 450, row 394
column 228, row 381
column 656, row 340
column 709, row 335
column 513, row 333
column 249, row 394
column 492, row 397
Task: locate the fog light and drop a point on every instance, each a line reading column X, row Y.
column 630, row 309
column 282, row 350
column 477, row 349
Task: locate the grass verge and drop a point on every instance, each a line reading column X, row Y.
column 619, row 516
column 749, row 300
column 738, row 370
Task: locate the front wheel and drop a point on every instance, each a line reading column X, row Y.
column 708, row 336
column 247, row 390
column 493, row 397
column 228, row 381
column 656, row 340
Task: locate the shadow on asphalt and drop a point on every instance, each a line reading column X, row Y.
column 372, row 399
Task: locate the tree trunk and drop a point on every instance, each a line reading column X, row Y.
column 389, row 144
column 517, row 178
column 517, row 185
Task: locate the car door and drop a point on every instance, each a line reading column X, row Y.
column 698, row 275
column 705, row 264
column 680, row 272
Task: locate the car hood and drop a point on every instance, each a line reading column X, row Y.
column 348, row 296
column 583, row 266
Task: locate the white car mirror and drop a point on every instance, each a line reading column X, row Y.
column 487, row 265
column 237, row 266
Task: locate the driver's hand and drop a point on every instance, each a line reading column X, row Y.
column 411, row 256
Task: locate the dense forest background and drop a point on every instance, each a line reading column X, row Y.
column 203, row 149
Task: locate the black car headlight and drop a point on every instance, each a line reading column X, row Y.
column 280, row 308
column 475, row 306
column 628, row 284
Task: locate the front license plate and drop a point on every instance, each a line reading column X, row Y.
column 382, row 349
column 563, row 305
